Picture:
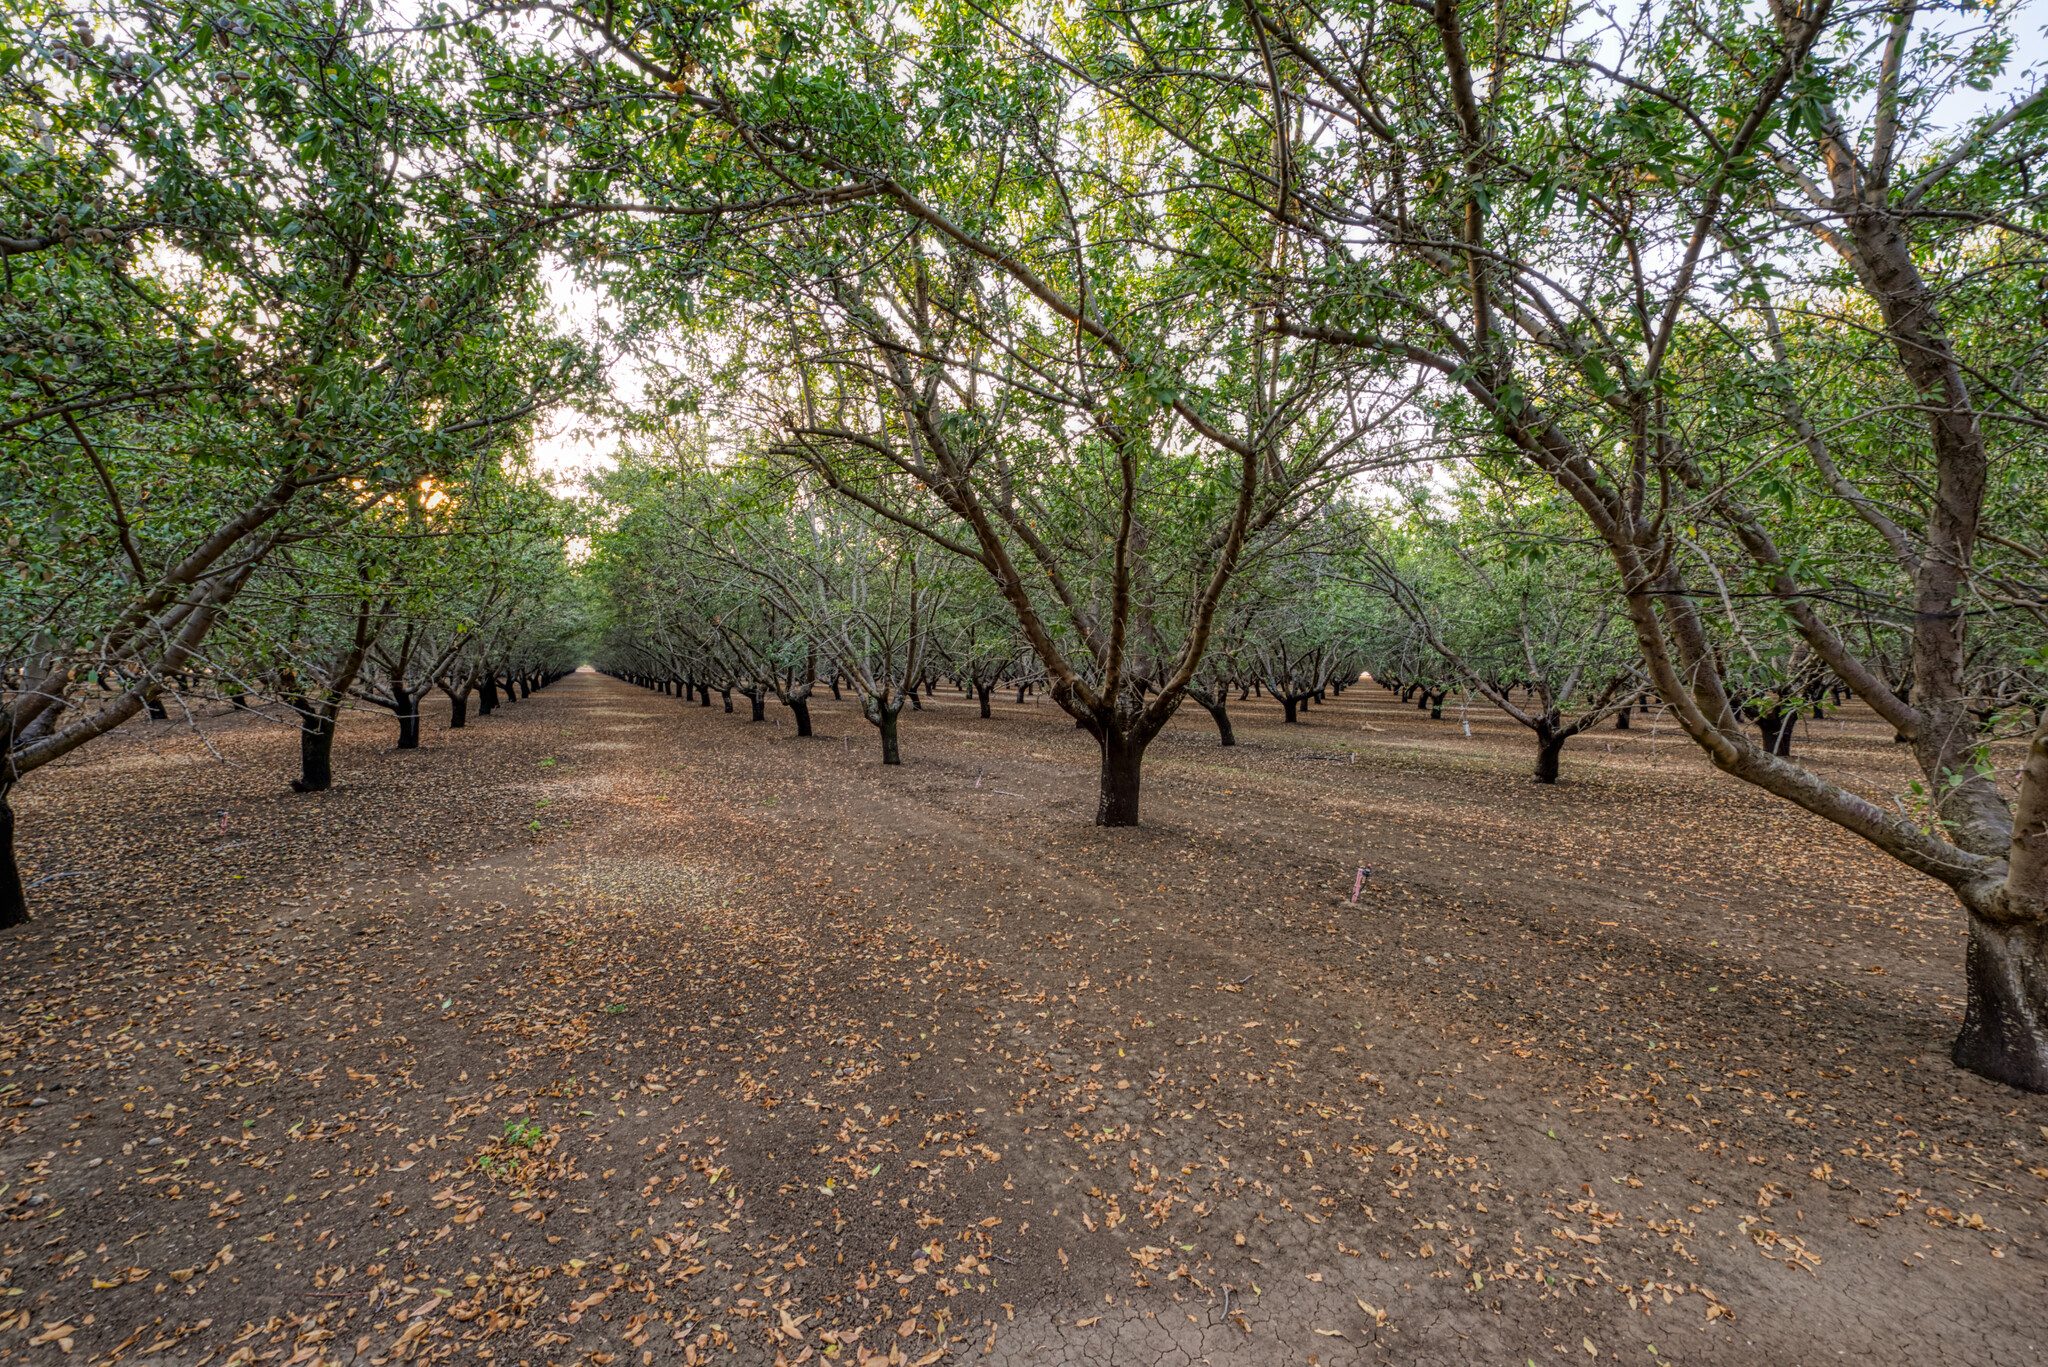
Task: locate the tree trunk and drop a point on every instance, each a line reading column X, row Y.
column 487, row 697
column 802, row 708
column 2005, row 1021
column 915, row 705
column 726, row 693
column 1549, row 745
column 526, row 685
column 983, row 690
column 1221, row 716
column 1122, row 763
column 703, row 695
column 458, row 708
column 1288, row 705
column 760, row 701
column 884, row 719
column 155, row 705
column 1777, row 732
column 408, row 712
column 316, row 754
column 835, row 688
column 1436, row 707
column 1020, row 693
column 1621, row 719
column 13, row 896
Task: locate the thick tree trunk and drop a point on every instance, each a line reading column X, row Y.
column 1221, row 716
column 760, row 702
column 1122, row 767
column 1436, row 707
column 13, row 896
column 1777, row 732
column 526, row 686
column 802, row 708
column 1621, row 720
column 1020, row 693
column 1288, row 706
column 316, row 754
column 1549, row 745
column 155, row 705
column 983, row 690
column 835, row 689
column 458, row 708
column 885, row 722
column 487, row 697
column 915, row 705
column 2005, row 1021
column 408, row 714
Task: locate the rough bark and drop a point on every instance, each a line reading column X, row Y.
column 884, row 719
column 2005, row 1018
column 407, row 709
column 982, row 691
column 458, row 707
column 487, row 697
column 802, row 709
column 316, row 753
column 1549, row 745
column 1122, row 768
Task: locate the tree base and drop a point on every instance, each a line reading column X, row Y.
column 13, row 896
column 2005, row 1026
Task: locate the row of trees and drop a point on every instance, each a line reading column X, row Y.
column 1695, row 351
column 1726, row 316
column 271, row 347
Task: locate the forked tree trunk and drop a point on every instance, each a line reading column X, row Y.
column 1288, row 705
column 982, row 691
column 13, row 896
column 802, row 708
column 1122, row 768
column 316, row 754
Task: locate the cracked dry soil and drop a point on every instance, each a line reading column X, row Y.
column 616, row 1030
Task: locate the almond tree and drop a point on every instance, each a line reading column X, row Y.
column 226, row 328
column 1592, row 244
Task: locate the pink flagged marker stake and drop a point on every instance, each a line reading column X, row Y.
column 1358, row 884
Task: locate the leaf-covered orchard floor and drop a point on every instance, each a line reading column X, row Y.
column 615, row 1030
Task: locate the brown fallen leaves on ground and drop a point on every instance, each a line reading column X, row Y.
column 612, row 1030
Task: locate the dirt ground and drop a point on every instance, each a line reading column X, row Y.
column 615, row 1030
